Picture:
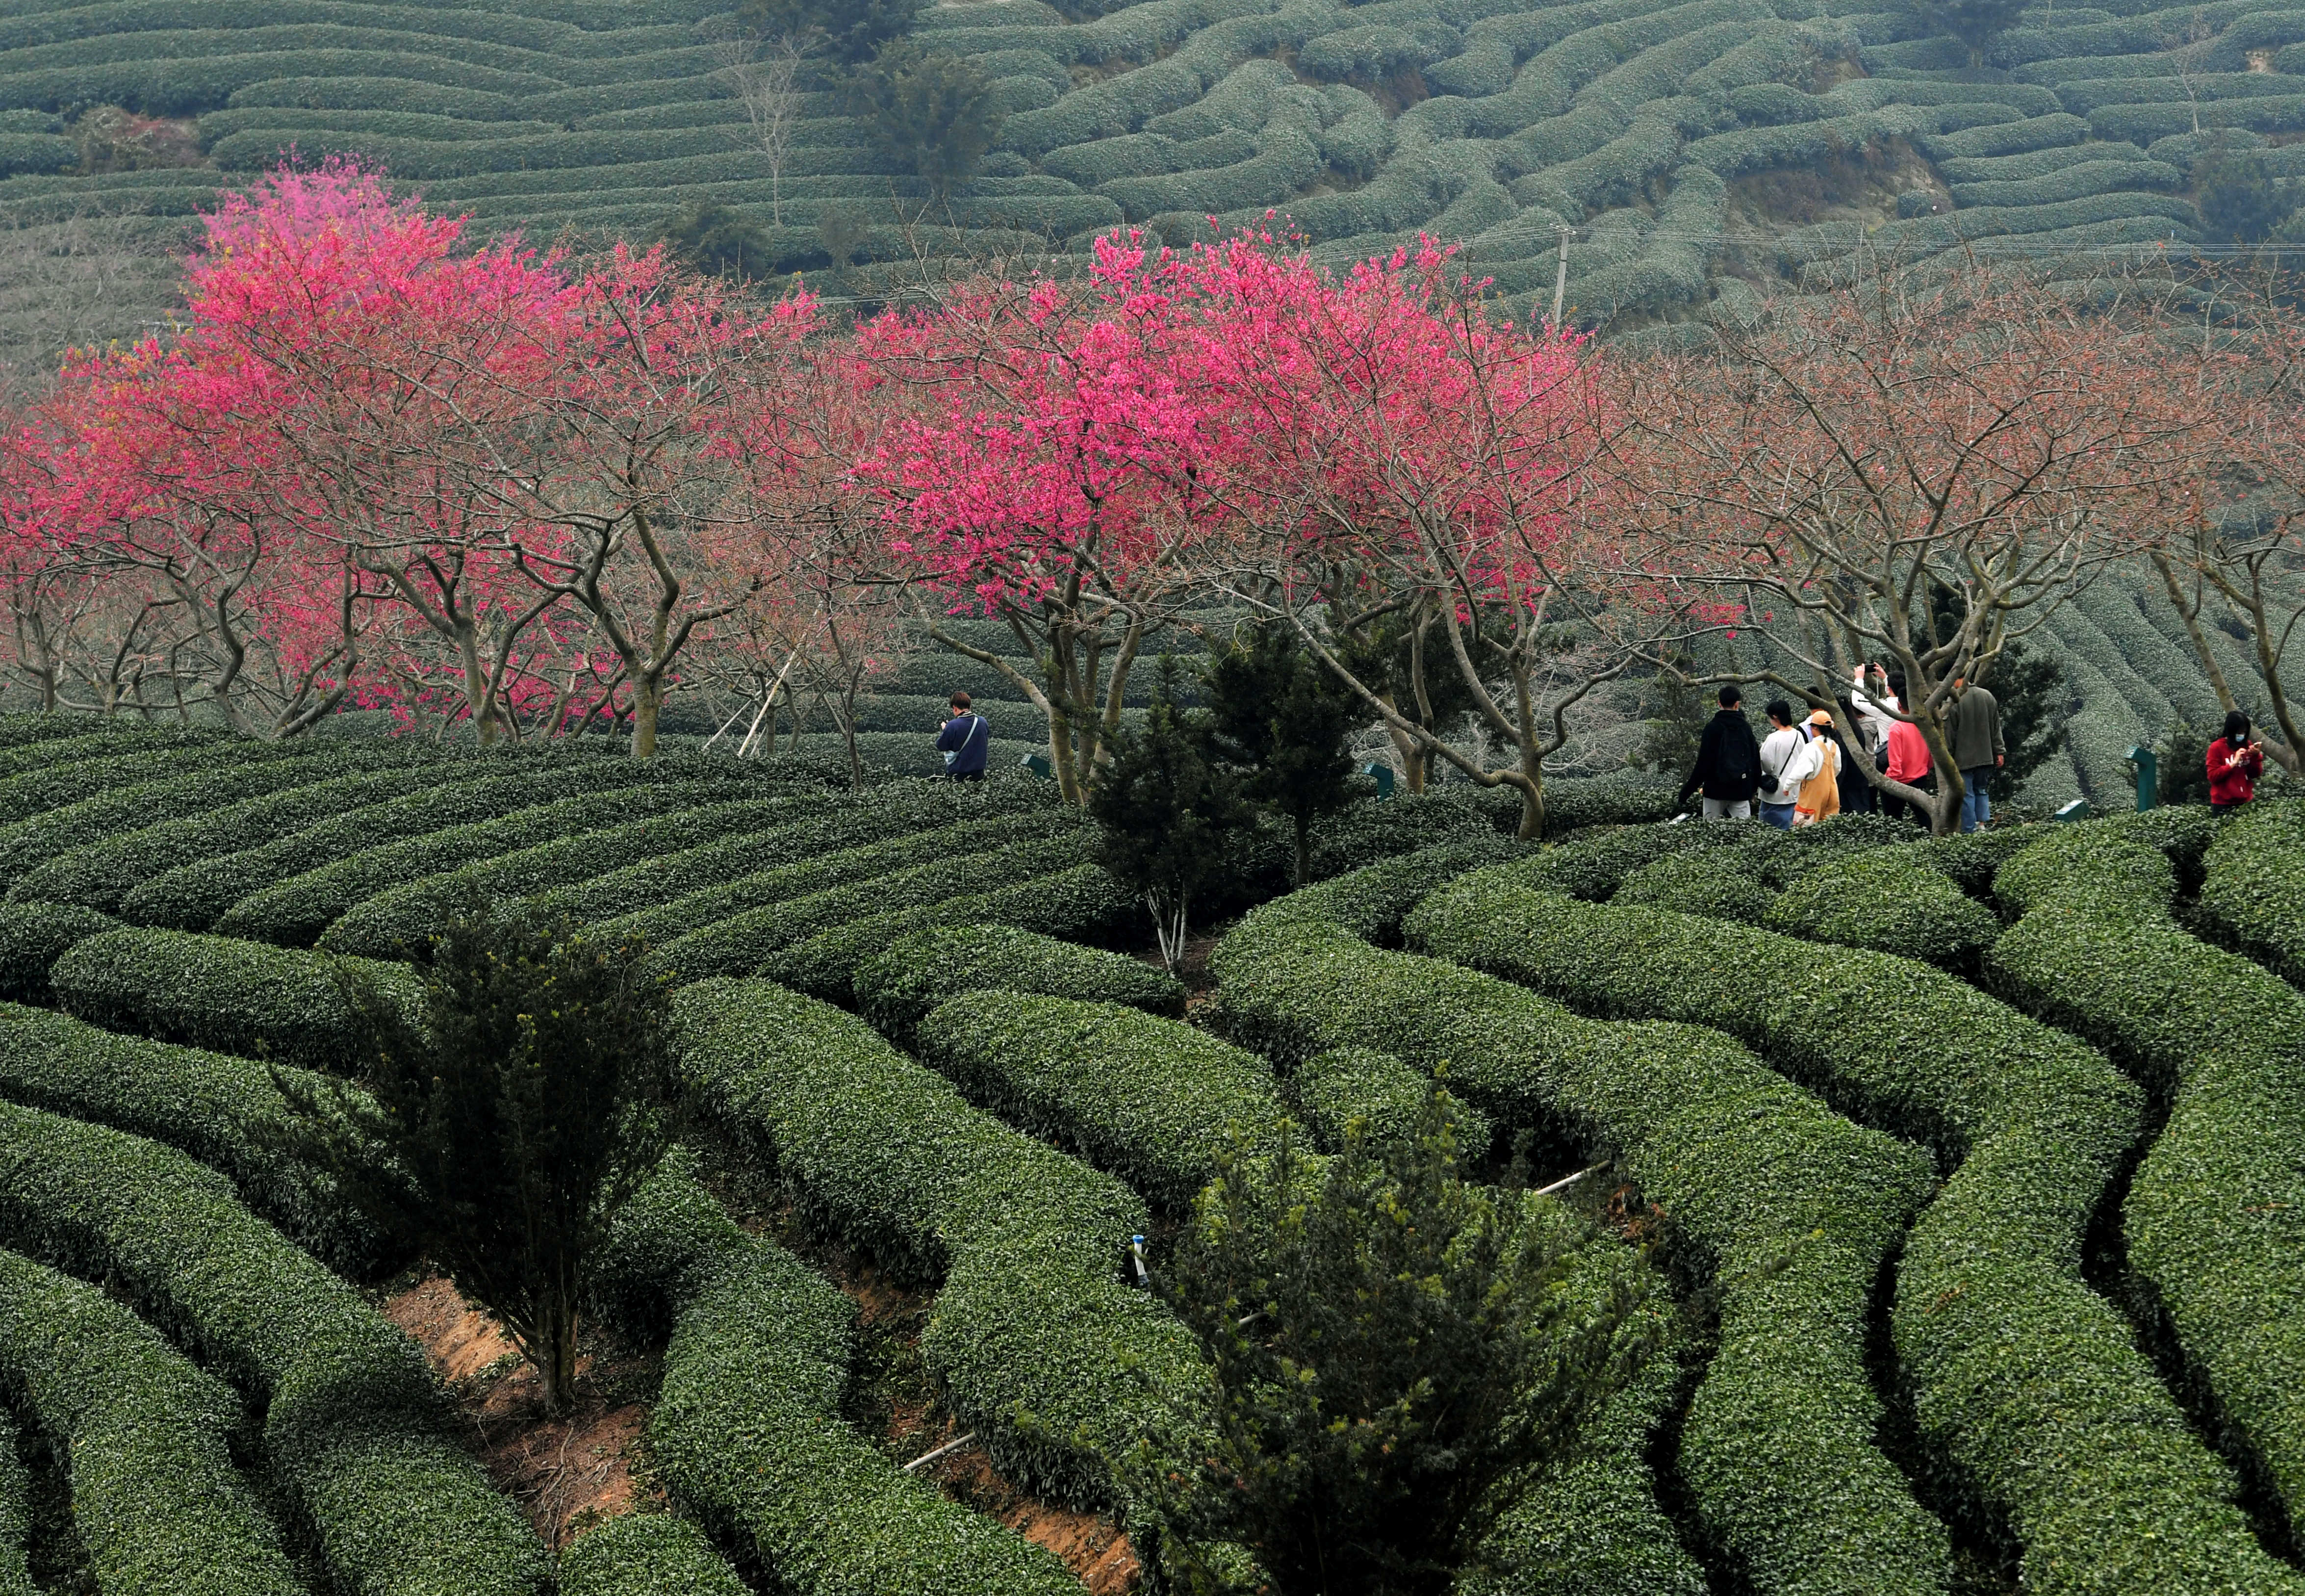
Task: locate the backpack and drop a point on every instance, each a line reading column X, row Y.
column 1740, row 757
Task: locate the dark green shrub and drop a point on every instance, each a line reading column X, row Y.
column 896, row 989
column 156, row 1501
column 1398, row 1354
column 745, row 1429
column 504, row 1125
column 224, row 993
column 356, row 1434
column 1169, row 815
column 1282, row 716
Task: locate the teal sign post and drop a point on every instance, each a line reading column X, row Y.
column 2149, row 777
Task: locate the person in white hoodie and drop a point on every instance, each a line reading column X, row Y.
column 1788, row 759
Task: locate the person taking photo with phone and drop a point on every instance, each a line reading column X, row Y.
column 2235, row 761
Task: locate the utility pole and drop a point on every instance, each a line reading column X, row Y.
column 1560, row 279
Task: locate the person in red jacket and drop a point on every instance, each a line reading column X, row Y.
column 1909, row 759
column 2236, row 762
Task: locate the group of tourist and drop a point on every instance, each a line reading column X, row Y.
column 1804, row 771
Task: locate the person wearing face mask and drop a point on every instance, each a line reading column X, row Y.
column 2235, row 761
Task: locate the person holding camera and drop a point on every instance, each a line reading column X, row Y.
column 2235, row 761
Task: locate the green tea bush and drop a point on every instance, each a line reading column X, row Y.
column 161, row 86
column 1765, row 103
column 1593, row 1528
column 354, row 1429
column 2008, row 137
column 1149, row 1098
column 897, row 815
column 1368, row 52
column 367, row 91
column 185, row 45
column 1871, row 94
column 297, row 911
column 1714, row 883
column 399, row 922
column 1357, row 142
column 35, row 153
column 1892, row 901
column 47, row 783
column 33, row 937
column 1795, row 1208
column 2090, row 94
column 1286, row 161
column 1056, row 1365
column 2214, row 1219
column 2253, row 895
column 156, row 1501
column 1332, row 1090
column 764, row 872
column 194, row 897
column 1081, row 904
column 2039, row 163
column 739, row 943
column 645, row 1553
column 2073, row 182
column 2142, row 125
column 2027, row 1382
column 897, row 988
column 100, row 874
column 29, row 844
column 222, row 993
column 745, row 1429
column 223, row 1111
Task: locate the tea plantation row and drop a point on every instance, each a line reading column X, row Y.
column 1812, row 1052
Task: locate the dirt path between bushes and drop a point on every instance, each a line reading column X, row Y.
column 567, row 1473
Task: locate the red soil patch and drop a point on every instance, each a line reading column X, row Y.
column 567, row 1472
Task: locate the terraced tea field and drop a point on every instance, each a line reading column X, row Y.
column 1987, row 1221
column 1691, row 144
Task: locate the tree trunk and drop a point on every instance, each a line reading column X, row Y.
column 648, row 704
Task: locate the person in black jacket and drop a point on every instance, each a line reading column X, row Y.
column 1728, row 763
